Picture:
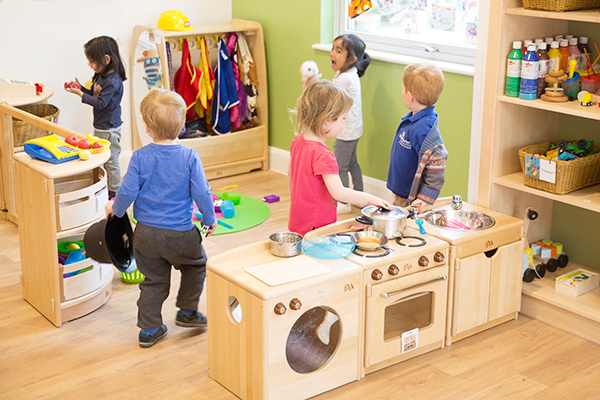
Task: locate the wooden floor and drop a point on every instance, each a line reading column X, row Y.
column 98, row 357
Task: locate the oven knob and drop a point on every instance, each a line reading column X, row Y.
column 295, row 304
column 393, row 270
column 423, row 261
column 438, row 256
column 376, row 275
column 280, row 309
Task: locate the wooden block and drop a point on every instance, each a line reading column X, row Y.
column 552, row 250
column 562, row 99
column 536, row 249
column 545, row 252
column 540, row 243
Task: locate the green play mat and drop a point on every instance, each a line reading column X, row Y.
column 249, row 213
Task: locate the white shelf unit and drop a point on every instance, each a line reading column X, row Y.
column 512, row 123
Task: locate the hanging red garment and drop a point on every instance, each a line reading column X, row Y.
column 187, row 81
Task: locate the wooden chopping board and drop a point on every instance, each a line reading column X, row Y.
column 287, row 270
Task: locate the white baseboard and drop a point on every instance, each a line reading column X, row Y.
column 280, row 159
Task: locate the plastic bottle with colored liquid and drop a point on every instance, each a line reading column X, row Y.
column 544, row 68
column 530, row 66
column 575, row 53
column 553, row 53
column 513, row 71
column 564, row 50
column 583, row 44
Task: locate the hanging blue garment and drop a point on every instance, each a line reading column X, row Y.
column 226, row 95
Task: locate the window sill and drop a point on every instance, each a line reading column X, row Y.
column 455, row 68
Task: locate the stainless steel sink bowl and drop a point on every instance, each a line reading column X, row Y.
column 459, row 220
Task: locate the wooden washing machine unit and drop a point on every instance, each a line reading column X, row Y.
column 282, row 328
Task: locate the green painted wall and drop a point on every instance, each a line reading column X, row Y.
column 291, row 28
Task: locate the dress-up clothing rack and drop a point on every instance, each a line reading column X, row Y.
column 227, row 154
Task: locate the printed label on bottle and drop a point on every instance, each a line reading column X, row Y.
column 513, row 68
column 530, row 69
column 544, row 68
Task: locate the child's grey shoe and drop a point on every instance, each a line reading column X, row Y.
column 148, row 340
column 197, row 320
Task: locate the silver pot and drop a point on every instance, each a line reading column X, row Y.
column 392, row 223
column 286, row 244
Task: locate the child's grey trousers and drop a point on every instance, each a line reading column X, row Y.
column 155, row 251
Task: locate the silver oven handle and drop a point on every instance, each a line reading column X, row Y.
column 440, row 278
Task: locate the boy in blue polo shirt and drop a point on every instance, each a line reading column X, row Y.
column 418, row 156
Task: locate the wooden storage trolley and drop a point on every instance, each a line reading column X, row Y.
column 58, row 202
column 224, row 155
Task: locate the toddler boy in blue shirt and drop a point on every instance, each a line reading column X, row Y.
column 418, row 156
column 163, row 180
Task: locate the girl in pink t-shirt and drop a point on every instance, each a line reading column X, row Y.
column 315, row 185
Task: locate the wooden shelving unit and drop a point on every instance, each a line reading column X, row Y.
column 512, row 123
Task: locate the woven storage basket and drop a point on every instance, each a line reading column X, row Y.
column 133, row 277
column 560, row 5
column 23, row 131
column 570, row 175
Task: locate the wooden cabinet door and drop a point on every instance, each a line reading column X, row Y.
column 506, row 280
column 471, row 292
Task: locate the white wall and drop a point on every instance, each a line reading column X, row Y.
column 42, row 41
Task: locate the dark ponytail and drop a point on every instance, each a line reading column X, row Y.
column 356, row 48
column 97, row 48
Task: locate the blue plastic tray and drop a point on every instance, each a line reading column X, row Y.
column 328, row 248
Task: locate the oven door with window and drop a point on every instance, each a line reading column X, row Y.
column 405, row 314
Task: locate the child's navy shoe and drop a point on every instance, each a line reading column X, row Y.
column 196, row 320
column 148, row 340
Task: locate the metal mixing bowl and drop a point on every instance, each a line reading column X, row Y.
column 286, row 244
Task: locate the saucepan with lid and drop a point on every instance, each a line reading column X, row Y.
column 392, row 223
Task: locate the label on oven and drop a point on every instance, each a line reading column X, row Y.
column 410, row 340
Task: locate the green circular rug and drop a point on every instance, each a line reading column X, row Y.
column 249, row 213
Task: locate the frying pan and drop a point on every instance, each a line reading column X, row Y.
column 355, row 237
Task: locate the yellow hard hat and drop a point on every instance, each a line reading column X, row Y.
column 174, row 20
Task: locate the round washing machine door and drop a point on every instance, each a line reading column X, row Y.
column 313, row 340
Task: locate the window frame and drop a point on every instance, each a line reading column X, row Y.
column 459, row 54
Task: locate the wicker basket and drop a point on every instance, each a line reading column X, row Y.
column 23, row 131
column 133, row 277
column 560, row 5
column 570, row 175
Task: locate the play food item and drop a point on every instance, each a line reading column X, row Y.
column 84, row 144
column 72, row 140
column 97, row 145
column 84, row 154
column 369, row 240
column 73, row 246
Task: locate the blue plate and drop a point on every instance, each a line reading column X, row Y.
column 328, row 247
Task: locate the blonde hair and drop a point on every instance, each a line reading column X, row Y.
column 425, row 81
column 163, row 112
column 321, row 101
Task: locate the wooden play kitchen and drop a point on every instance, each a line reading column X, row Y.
column 485, row 276
column 222, row 155
column 57, row 203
